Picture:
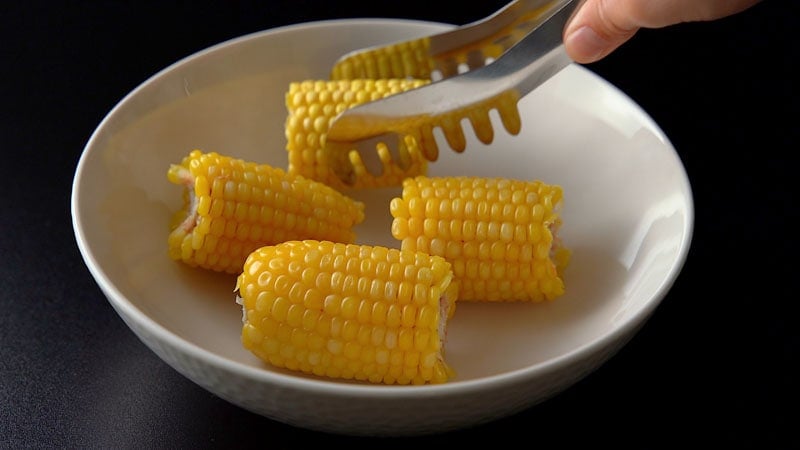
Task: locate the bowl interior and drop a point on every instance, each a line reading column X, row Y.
column 627, row 203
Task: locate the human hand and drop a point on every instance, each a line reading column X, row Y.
column 600, row 26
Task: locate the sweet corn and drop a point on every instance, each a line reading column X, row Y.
column 232, row 207
column 500, row 235
column 348, row 311
column 404, row 60
column 313, row 105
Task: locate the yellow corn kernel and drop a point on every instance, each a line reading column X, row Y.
column 313, row 105
column 500, row 235
column 376, row 337
column 232, row 207
column 408, row 59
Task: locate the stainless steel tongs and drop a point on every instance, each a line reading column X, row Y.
column 486, row 65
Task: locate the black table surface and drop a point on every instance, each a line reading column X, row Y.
column 715, row 363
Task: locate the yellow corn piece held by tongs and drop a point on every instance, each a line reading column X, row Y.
column 473, row 69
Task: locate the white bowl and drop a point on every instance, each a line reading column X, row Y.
column 628, row 218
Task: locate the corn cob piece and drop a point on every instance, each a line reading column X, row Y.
column 312, row 106
column 500, row 235
column 232, row 207
column 408, row 59
column 348, row 311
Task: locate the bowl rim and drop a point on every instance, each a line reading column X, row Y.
column 344, row 387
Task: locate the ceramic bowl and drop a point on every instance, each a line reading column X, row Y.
column 627, row 217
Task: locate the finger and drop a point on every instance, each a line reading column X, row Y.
column 601, row 26
column 598, row 28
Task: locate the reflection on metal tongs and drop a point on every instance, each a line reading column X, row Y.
column 488, row 64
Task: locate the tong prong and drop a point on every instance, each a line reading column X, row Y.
column 374, row 154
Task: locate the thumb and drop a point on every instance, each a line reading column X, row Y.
column 601, row 26
column 597, row 29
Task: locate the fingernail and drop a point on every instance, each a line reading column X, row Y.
column 586, row 45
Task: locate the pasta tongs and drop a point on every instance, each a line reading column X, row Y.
column 479, row 67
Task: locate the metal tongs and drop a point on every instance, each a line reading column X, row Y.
column 488, row 64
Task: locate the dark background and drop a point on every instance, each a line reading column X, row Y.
column 715, row 364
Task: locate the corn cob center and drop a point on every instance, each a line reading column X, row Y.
column 182, row 176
